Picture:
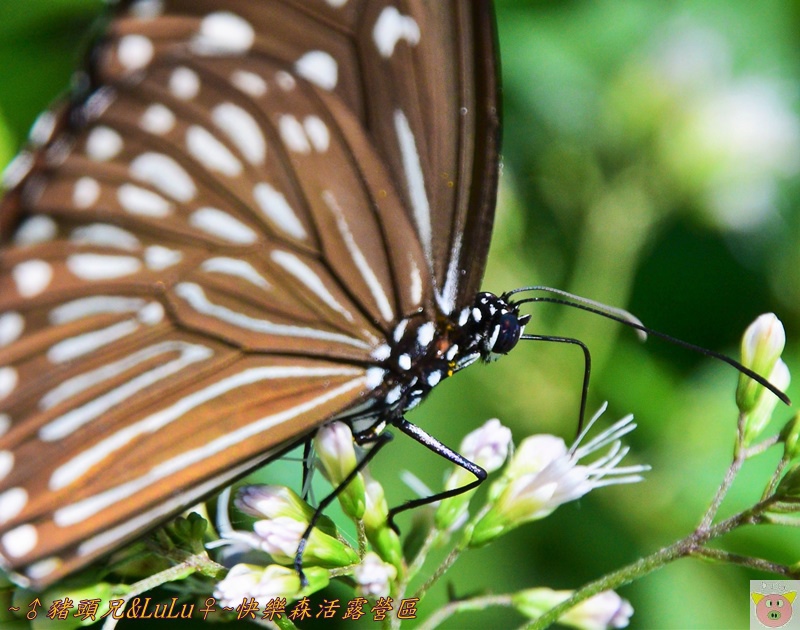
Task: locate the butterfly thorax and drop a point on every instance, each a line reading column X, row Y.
column 421, row 352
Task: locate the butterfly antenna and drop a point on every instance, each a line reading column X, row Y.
column 623, row 317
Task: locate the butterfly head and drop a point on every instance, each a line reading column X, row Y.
column 494, row 326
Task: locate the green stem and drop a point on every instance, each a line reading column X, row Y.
column 464, row 605
column 612, row 581
column 775, row 479
column 746, row 561
column 739, row 455
column 691, row 545
column 198, row 563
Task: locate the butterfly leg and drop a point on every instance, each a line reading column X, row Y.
column 430, row 442
column 379, row 440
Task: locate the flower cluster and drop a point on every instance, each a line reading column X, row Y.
column 542, row 474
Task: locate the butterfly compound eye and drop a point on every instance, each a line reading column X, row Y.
column 509, row 331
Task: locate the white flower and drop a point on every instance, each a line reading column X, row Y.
column 373, row 576
column 335, row 447
column 271, row 502
column 602, row 611
column 488, row 445
column 544, row 474
column 280, row 537
column 284, row 519
column 263, row 583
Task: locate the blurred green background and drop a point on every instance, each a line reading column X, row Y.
column 651, row 158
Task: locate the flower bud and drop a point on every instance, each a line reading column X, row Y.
column 487, row 447
column 262, row 501
column 245, row 581
column 280, row 538
column 604, row 610
column 762, row 345
column 382, row 537
column 335, row 448
column 790, row 436
column 759, row 415
column 374, row 577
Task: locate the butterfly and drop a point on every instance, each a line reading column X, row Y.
column 249, row 218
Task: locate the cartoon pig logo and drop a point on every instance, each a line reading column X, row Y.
column 774, row 610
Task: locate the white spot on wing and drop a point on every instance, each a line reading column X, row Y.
column 151, row 314
column 41, row 569
column 32, row 277
column 196, row 298
column 101, row 266
column 416, row 282
column 80, row 345
column 222, row 225
column 434, row 378
column 243, row 131
column 165, row 174
column 293, row 134
column 447, row 298
column 337, row 4
column 375, row 376
column 184, row 83
column 12, row 502
column 75, row 418
column 93, row 305
column 415, row 181
column 285, row 81
column 11, row 326
column 310, row 279
column 134, row 51
column 157, row 119
column 142, row 202
column 20, row 541
column 147, row 9
column 275, row 207
column 382, row 352
column 8, row 381
column 319, row 68
column 317, row 132
column 103, row 144
column 249, row 83
column 425, row 333
column 393, row 395
column 223, row 33
column 400, row 330
column 42, row 128
column 210, row 152
column 76, row 467
column 38, row 229
column 237, row 268
column 105, row 235
column 17, row 169
column 157, row 257
column 359, row 259
column 86, row 192
column 6, row 465
column 390, row 28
